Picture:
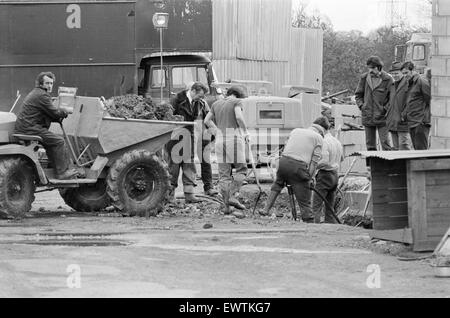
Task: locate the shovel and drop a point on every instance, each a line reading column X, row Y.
column 292, row 201
column 333, row 213
column 250, row 156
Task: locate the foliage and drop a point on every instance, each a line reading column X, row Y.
column 345, row 53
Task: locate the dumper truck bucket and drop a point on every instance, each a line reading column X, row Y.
column 92, row 131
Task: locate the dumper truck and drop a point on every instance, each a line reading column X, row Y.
column 105, row 48
column 120, row 159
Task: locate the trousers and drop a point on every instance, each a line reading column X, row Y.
column 231, row 154
column 419, row 136
column 371, row 138
column 54, row 146
column 401, row 140
column 295, row 173
column 326, row 185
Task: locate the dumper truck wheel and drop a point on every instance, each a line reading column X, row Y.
column 16, row 187
column 87, row 197
column 138, row 183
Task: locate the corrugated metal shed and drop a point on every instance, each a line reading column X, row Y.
column 251, row 29
column 303, row 68
column 398, row 155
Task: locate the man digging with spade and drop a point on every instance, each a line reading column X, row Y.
column 297, row 167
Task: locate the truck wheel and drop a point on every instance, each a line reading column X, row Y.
column 87, row 197
column 16, row 187
column 138, row 183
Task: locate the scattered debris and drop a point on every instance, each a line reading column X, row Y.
column 110, row 215
column 110, row 209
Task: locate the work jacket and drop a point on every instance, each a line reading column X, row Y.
column 198, row 110
column 37, row 113
column 395, row 121
column 418, row 102
column 374, row 101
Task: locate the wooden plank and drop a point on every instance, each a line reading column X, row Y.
column 381, row 165
column 390, row 223
column 400, row 235
column 442, row 213
column 441, row 246
column 437, row 229
column 438, row 196
column 438, row 178
column 430, row 164
column 390, row 209
column 388, row 195
column 417, row 204
column 386, row 182
column 425, row 246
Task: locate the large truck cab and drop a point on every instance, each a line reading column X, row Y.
column 179, row 72
column 417, row 50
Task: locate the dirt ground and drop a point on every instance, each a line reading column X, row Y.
column 195, row 251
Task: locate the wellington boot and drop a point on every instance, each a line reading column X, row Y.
column 191, row 198
column 269, row 203
column 225, row 192
column 235, row 202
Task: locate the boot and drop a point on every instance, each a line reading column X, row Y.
column 68, row 174
column 211, row 192
column 191, row 198
column 269, row 204
column 225, row 192
column 171, row 196
column 235, row 202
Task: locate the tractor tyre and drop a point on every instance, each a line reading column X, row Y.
column 17, row 186
column 87, row 197
column 138, row 183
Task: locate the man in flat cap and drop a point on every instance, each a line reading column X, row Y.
column 398, row 126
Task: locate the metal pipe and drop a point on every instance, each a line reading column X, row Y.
column 15, row 103
column 72, row 151
column 162, row 71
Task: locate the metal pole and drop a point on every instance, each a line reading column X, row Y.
column 162, row 71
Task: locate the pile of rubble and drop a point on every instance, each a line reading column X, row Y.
column 138, row 107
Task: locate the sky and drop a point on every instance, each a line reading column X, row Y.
column 366, row 15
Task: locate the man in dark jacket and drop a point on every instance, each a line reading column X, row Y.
column 417, row 112
column 373, row 97
column 35, row 119
column 397, row 126
column 191, row 105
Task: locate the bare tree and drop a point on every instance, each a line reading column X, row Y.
column 301, row 18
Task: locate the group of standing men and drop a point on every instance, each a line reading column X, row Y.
column 396, row 105
column 226, row 123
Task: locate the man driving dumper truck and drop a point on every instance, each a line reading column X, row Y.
column 118, row 158
column 38, row 112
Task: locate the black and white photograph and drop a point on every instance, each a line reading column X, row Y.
column 224, row 156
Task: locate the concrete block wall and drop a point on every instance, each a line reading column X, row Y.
column 440, row 69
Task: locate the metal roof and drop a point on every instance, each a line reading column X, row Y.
column 397, row 155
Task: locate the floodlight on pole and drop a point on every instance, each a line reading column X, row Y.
column 160, row 22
